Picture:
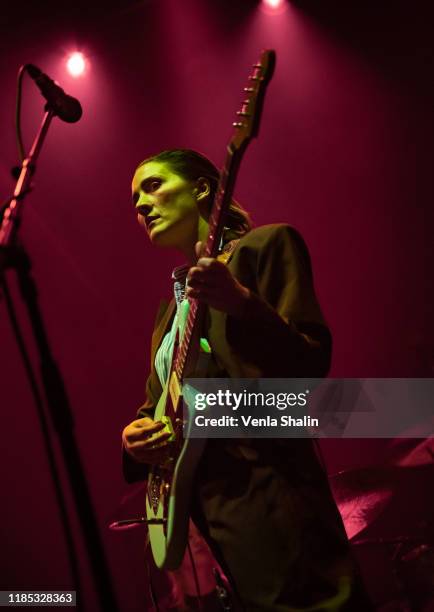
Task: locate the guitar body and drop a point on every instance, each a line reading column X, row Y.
column 169, row 486
column 169, row 493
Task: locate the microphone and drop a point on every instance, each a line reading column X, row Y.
column 65, row 107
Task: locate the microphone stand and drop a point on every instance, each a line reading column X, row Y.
column 14, row 256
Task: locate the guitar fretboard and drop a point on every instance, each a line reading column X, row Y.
column 245, row 128
column 216, row 224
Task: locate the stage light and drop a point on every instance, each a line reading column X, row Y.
column 273, row 3
column 76, row 64
column 274, row 6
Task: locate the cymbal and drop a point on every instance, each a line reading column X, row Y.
column 400, row 495
column 421, row 454
column 361, row 496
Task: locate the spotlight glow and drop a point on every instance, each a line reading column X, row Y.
column 76, row 64
column 274, row 7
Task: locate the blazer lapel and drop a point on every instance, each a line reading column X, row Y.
column 164, row 320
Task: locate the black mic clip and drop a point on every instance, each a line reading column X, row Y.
column 65, row 107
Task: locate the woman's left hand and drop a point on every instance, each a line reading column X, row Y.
column 211, row 282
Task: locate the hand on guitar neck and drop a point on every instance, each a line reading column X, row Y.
column 211, row 282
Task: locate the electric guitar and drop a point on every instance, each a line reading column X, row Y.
column 169, row 487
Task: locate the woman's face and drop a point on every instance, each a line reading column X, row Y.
column 166, row 205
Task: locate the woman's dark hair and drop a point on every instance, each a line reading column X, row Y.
column 192, row 165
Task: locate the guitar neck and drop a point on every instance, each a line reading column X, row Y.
column 221, row 204
column 245, row 128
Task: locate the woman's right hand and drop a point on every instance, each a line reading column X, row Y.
column 145, row 442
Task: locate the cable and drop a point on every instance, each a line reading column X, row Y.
column 19, row 135
column 195, row 576
column 45, row 435
column 154, row 600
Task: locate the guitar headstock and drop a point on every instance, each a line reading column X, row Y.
column 247, row 124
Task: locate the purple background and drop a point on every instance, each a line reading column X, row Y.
column 345, row 155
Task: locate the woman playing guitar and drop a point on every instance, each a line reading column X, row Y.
column 264, row 506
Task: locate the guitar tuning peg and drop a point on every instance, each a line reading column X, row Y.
column 254, row 78
column 249, row 89
column 243, row 114
column 237, row 124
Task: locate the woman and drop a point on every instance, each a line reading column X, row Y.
column 264, row 506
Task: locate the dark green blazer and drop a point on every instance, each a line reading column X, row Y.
column 282, row 333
